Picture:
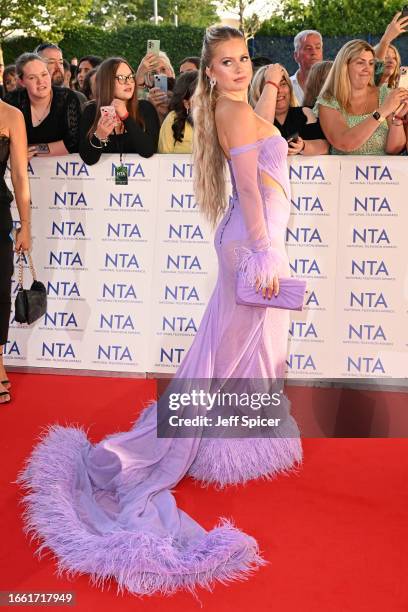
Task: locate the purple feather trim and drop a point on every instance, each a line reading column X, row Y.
column 261, row 265
column 225, row 462
column 141, row 562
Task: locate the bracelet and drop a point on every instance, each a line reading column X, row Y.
column 103, row 142
column 272, row 83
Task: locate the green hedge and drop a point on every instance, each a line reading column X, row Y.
column 129, row 41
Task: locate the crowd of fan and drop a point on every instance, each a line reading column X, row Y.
column 320, row 109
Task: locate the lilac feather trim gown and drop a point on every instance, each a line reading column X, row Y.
column 107, row 509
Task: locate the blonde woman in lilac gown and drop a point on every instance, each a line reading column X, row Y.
column 107, row 509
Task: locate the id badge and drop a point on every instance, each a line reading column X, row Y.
column 121, row 175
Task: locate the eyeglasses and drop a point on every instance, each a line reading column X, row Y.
column 122, row 78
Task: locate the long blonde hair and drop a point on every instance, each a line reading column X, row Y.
column 258, row 83
column 208, row 156
column 393, row 79
column 337, row 84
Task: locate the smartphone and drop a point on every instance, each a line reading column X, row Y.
column 403, row 79
column 404, row 12
column 153, row 46
column 293, row 137
column 108, row 111
column 42, row 148
column 160, row 81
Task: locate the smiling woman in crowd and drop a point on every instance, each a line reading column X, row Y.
column 356, row 116
column 51, row 113
column 132, row 126
column 297, row 124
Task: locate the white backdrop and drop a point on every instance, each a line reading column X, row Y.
column 129, row 269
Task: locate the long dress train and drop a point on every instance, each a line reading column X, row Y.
column 107, row 509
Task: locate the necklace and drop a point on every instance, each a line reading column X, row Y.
column 39, row 119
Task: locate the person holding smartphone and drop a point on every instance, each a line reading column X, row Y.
column 51, row 113
column 13, row 149
column 388, row 59
column 357, row 117
column 117, row 122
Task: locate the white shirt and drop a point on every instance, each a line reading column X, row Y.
column 297, row 90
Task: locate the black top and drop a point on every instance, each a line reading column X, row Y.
column 62, row 122
column 6, row 197
column 135, row 139
column 296, row 121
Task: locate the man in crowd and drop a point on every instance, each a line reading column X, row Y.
column 55, row 64
column 308, row 51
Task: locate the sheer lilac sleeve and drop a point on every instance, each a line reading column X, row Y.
column 260, row 261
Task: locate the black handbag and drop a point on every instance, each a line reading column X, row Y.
column 31, row 303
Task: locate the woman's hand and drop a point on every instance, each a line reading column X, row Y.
column 272, row 289
column 31, row 151
column 396, row 27
column 120, row 107
column 23, row 238
column 393, row 101
column 296, row 146
column 274, row 73
column 159, row 99
column 149, row 63
column 105, row 127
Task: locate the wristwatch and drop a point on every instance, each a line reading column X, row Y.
column 378, row 116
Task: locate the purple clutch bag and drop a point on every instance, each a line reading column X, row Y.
column 291, row 294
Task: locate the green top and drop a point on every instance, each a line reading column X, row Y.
column 375, row 145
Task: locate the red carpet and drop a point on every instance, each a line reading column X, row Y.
column 335, row 533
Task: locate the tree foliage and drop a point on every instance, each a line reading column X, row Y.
column 117, row 13
column 331, row 17
column 44, row 18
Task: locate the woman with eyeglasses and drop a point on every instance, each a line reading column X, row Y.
column 127, row 125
